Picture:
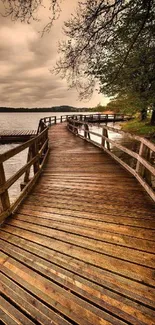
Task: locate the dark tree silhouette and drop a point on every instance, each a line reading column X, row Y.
column 26, row 10
column 94, row 31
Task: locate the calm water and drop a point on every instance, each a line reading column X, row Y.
column 26, row 121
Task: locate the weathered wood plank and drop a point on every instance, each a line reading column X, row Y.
column 58, row 297
column 11, row 315
column 43, row 247
column 84, row 289
column 87, row 218
column 80, row 237
column 29, row 304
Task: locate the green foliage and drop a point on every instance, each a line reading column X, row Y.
column 113, row 42
column 99, row 108
column 140, row 128
column 126, row 103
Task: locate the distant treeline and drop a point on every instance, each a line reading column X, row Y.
column 63, row 108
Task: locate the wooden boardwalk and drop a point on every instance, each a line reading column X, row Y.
column 80, row 250
column 16, row 136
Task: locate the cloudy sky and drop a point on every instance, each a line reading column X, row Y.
column 25, row 62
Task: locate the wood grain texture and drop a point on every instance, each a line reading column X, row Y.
column 80, row 249
column 16, row 136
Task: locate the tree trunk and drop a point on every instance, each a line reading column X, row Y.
column 143, row 114
column 152, row 122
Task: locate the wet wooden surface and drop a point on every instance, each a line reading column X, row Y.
column 80, row 250
column 16, row 136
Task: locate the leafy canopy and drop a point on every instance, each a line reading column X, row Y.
column 104, row 43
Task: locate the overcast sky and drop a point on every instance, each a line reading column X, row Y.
column 25, row 61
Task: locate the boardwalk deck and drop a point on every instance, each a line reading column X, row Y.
column 16, row 135
column 80, row 250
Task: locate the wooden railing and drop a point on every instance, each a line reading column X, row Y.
column 37, row 154
column 99, row 118
column 140, row 161
column 36, row 157
column 94, row 118
column 51, row 120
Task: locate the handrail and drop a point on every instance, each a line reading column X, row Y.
column 51, row 120
column 143, row 162
column 37, row 154
column 99, row 118
column 36, row 157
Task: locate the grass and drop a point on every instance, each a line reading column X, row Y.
column 142, row 128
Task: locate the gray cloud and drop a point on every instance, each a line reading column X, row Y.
column 25, row 61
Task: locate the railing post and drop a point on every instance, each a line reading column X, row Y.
column 102, row 139
column 61, row 119
column 144, row 152
column 86, row 131
column 55, row 119
column 5, row 201
column 70, row 124
column 105, row 134
column 35, row 149
column 27, row 173
column 74, row 128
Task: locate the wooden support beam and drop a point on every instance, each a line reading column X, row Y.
column 5, row 202
column 141, row 170
column 86, row 131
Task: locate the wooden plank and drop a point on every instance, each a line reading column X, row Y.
column 136, row 256
column 42, row 247
column 84, row 288
column 12, row 315
column 116, row 211
column 130, row 255
column 118, row 266
column 29, row 304
column 72, row 306
column 120, row 209
column 87, row 218
column 121, row 201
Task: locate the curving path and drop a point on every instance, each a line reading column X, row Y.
column 80, row 250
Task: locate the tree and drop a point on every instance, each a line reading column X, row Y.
column 136, row 80
column 26, row 10
column 105, row 39
column 126, row 104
